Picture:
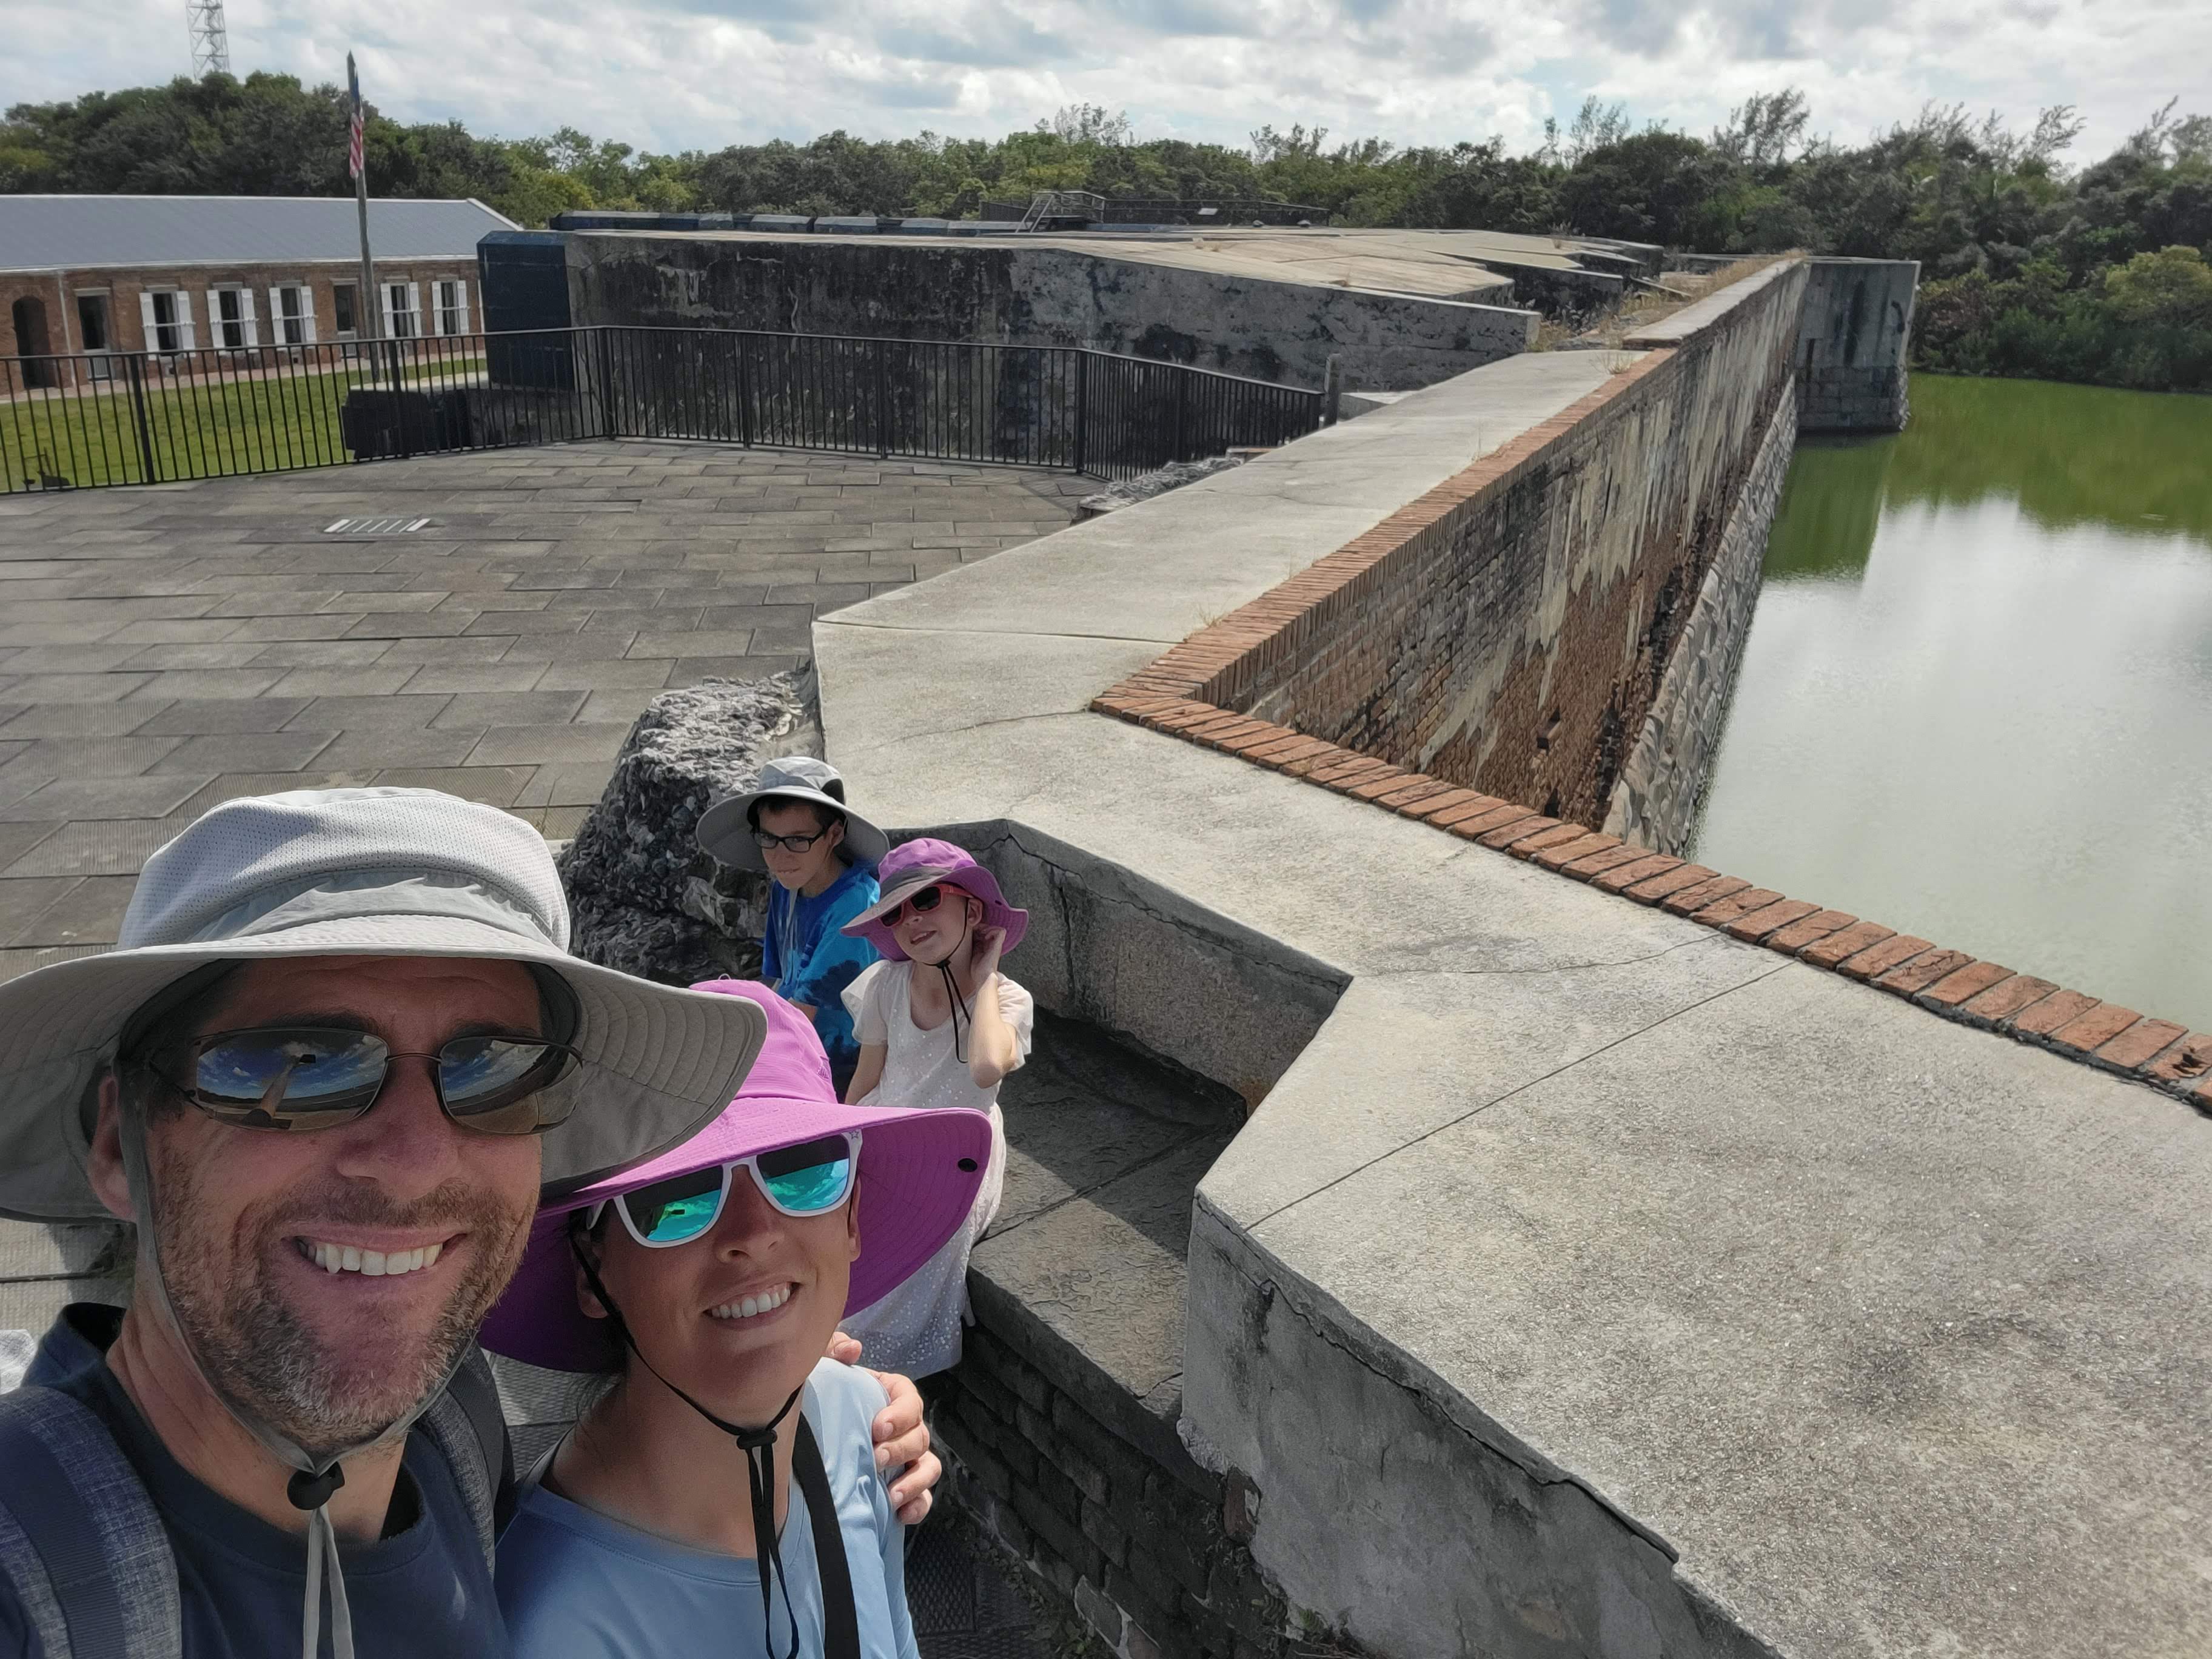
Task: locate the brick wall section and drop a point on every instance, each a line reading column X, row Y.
column 1508, row 630
column 1144, row 1544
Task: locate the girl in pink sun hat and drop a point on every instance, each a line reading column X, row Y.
column 939, row 1026
column 722, row 1494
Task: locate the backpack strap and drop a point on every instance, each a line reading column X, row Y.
column 840, row 1623
column 465, row 1423
column 80, row 1537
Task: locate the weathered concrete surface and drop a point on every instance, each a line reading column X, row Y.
column 1652, row 1294
column 1663, row 779
column 1057, row 293
column 1852, row 351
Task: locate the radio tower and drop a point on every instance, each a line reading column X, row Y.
column 211, row 46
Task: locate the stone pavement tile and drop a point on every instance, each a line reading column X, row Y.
column 591, row 645
column 482, row 602
column 321, row 653
column 248, row 752
column 69, row 633
column 344, row 714
column 272, row 602
column 437, row 624
column 820, row 596
column 516, row 745
column 476, row 676
column 71, row 799
column 211, row 684
column 192, row 719
column 235, row 786
column 323, row 626
column 463, row 651
column 23, row 899
column 76, row 687
column 89, row 913
column 620, row 672
column 235, row 654
column 73, row 719
column 554, row 823
column 92, row 757
column 493, row 785
column 523, row 622
column 375, row 604
column 18, row 838
column 701, row 643
column 617, row 705
column 70, row 659
column 385, row 748
column 481, row 709
column 569, row 783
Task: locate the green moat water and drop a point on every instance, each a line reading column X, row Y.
column 1975, row 700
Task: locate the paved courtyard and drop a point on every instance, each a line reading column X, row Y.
column 164, row 649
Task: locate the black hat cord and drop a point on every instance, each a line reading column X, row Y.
column 759, row 1447
column 960, row 1008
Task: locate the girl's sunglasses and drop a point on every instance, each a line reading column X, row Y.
column 303, row 1078
column 809, row 1179
column 921, row 902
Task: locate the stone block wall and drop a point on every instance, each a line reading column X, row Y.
column 1508, row 631
column 1655, row 803
column 1851, row 346
column 1278, row 332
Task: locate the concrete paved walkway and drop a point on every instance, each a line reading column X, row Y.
column 165, row 648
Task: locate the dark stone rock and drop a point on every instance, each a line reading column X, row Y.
column 646, row 899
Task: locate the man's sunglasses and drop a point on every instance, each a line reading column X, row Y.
column 920, row 902
column 302, row 1077
column 807, row 1180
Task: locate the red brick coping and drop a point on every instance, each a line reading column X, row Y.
column 1175, row 695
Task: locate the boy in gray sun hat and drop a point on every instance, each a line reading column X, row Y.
column 820, row 857
column 337, row 1058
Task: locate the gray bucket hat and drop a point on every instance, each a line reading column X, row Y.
column 369, row 872
column 726, row 829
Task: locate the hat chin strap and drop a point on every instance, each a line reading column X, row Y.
column 314, row 1482
column 758, row 1445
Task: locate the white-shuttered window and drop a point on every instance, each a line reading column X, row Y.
column 231, row 321
column 403, row 310
column 167, row 317
column 450, row 295
column 291, row 314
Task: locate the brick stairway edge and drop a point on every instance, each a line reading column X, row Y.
column 1952, row 983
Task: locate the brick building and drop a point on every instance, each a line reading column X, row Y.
column 87, row 276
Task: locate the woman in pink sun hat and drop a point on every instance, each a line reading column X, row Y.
column 721, row 1494
column 938, row 1025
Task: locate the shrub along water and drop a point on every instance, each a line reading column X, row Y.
column 2029, row 266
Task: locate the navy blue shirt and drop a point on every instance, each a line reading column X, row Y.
column 424, row 1591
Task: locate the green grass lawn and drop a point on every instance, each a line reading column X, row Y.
column 195, row 430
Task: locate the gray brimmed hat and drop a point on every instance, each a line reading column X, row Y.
column 726, row 829
column 368, row 873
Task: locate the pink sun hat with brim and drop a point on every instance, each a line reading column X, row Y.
column 912, row 866
column 919, row 1174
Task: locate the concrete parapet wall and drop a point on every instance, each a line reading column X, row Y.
column 1655, row 803
column 1851, row 349
column 1277, row 331
column 1508, row 631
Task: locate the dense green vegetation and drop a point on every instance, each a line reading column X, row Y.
column 2030, row 266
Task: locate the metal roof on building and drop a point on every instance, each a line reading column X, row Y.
column 73, row 233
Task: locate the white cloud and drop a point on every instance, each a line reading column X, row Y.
column 680, row 74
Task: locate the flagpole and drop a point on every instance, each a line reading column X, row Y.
column 365, row 324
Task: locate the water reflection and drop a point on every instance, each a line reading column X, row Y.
column 1976, row 701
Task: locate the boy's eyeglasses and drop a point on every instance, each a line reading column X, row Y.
column 768, row 843
column 304, row 1078
column 807, row 1180
column 922, row 903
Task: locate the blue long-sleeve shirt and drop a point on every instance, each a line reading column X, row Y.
column 806, row 958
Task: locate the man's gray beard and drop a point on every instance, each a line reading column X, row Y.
column 269, row 1363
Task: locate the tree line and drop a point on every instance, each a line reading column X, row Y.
column 2030, row 265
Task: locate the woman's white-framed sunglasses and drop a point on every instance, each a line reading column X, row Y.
column 809, row 1179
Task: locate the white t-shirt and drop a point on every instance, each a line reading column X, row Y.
column 917, row 1328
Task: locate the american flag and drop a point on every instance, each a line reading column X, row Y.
column 353, row 136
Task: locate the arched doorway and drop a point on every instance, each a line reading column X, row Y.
column 38, row 366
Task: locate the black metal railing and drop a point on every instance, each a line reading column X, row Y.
column 88, row 419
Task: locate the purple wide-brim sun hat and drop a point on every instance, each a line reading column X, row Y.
column 920, row 1171
column 912, row 866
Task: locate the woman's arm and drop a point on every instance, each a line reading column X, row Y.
column 866, row 1075
column 992, row 1049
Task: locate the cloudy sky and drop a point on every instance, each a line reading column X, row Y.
column 678, row 74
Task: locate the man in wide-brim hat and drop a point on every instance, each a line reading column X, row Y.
column 339, row 1055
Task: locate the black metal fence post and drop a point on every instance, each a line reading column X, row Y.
column 606, row 375
column 882, row 400
column 744, row 393
column 1182, row 416
column 1082, row 407
column 134, row 368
